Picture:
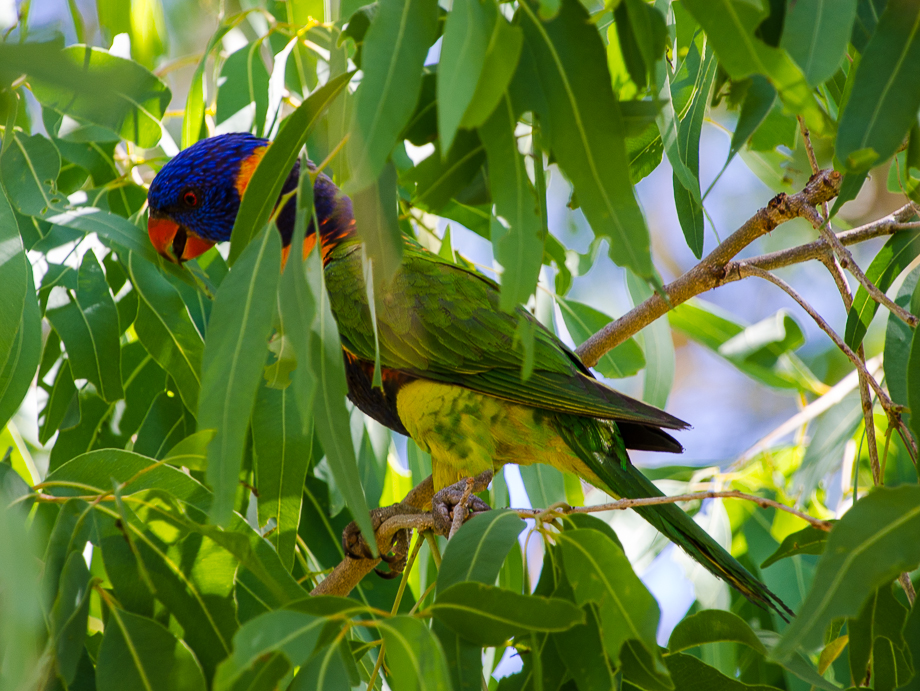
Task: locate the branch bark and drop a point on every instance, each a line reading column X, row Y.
column 711, row 271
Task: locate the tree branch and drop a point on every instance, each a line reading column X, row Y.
column 711, row 271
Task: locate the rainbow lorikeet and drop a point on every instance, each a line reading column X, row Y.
column 450, row 365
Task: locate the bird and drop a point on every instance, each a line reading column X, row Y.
column 451, row 367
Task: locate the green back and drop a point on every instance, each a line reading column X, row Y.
column 439, row 321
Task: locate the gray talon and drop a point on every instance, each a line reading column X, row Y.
column 444, row 502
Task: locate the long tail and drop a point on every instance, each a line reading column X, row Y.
column 623, row 480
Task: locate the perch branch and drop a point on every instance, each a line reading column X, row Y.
column 349, row 573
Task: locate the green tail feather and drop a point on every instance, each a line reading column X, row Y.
column 623, row 480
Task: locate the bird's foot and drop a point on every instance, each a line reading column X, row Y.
column 356, row 547
column 451, row 506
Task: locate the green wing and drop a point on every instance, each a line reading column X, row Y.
column 443, row 322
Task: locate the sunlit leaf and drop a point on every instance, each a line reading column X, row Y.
column 234, row 356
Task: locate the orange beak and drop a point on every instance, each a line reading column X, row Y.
column 174, row 242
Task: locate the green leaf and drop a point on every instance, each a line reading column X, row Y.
column 297, row 308
column 467, row 30
column 898, row 336
column 691, row 672
column 22, row 626
column 69, row 616
column 520, row 249
column 883, row 104
column 816, row 34
column 330, row 416
column 244, row 86
column 585, row 129
column 599, row 572
column 657, row 345
column 139, row 653
column 14, row 277
column 881, row 621
column 758, row 103
column 416, row 658
column 809, row 540
column 29, row 167
column 476, row 552
column 582, row 651
column 439, row 179
column 499, row 64
column 326, row 670
column 191, row 452
column 762, row 351
column 730, row 26
column 264, row 187
column 489, row 616
column 88, row 325
column 281, row 457
column 378, row 225
column 234, row 355
column 582, row 321
column 292, row 633
column 545, row 485
column 867, row 548
column 164, row 326
column 913, row 377
column 711, row 625
column 393, row 53
column 688, row 201
column 106, row 90
column 896, row 255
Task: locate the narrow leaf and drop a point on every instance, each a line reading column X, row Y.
column 281, row 457
column 582, row 120
column 273, row 170
column 393, row 53
column 895, row 256
column 234, row 355
column 883, row 104
column 520, row 249
column 89, row 327
column 164, row 326
column 488, row 615
column 816, row 34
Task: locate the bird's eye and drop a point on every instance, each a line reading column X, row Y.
column 190, row 198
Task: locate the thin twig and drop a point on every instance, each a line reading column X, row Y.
column 623, row 504
column 711, row 271
column 819, row 320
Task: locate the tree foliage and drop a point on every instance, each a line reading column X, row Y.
column 195, row 460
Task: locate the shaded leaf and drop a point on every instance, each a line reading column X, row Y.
column 816, row 33
column 416, row 658
column 191, row 452
column 281, row 458
column 89, row 327
column 868, row 547
column 164, row 326
column 885, row 96
column 139, row 653
column 520, row 249
column 393, row 53
column 809, row 540
column 582, row 119
column 896, row 255
column 489, row 616
column 583, row 321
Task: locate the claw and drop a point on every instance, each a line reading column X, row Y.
column 459, row 495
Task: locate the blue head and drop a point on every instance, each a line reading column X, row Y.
column 195, row 198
